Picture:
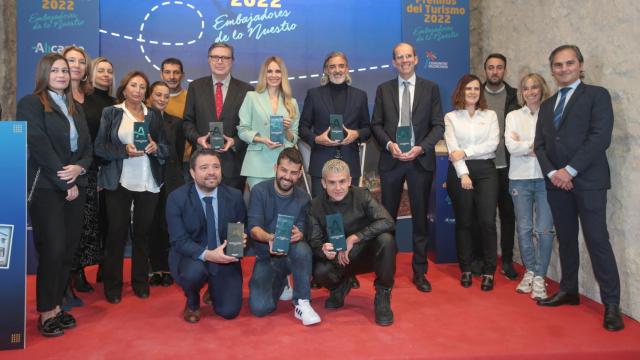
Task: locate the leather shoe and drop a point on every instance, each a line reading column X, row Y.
column 421, row 282
column 560, row 298
column 355, row 284
column 155, row 279
column 113, row 299
column 142, row 294
column 337, row 295
column 50, row 327
column 509, row 271
column 191, row 316
column 80, row 281
column 66, row 320
column 612, row 317
column 487, row 283
column 167, row 279
column 466, row 279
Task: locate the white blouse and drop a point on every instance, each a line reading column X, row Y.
column 478, row 136
column 136, row 171
column 523, row 123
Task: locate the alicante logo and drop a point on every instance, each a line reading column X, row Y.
column 45, row 48
column 432, row 61
column 140, row 132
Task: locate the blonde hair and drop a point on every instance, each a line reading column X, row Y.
column 285, row 88
column 335, row 166
column 538, row 79
column 85, row 85
column 94, row 65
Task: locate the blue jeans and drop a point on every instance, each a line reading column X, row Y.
column 529, row 198
column 270, row 277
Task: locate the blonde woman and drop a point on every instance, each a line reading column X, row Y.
column 271, row 97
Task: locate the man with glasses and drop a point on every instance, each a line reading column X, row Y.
column 218, row 98
column 408, row 103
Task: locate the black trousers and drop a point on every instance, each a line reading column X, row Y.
column 316, row 185
column 119, row 214
column 591, row 208
column 159, row 236
column 419, row 186
column 57, row 225
column 478, row 203
column 378, row 255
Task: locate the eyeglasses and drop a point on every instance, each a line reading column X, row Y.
column 216, row 58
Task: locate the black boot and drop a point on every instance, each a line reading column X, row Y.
column 382, row 305
column 99, row 274
column 80, row 281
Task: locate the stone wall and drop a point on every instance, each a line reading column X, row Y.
column 8, row 58
column 607, row 32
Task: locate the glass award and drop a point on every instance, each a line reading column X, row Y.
column 335, row 123
column 140, row 138
column 335, row 230
column 6, row 236
column 235, row 246
column 403, row 138
column 276, row 133
column 216, row 137
column 284, row 226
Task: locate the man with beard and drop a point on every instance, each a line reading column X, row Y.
column 502, row 99
column 370, row 245
column 335, row 96
column 269, row 199
column 197, row 217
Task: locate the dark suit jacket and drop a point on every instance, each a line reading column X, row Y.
column 48, row 142
column 314, row 120
column 175, row 141
column 187, row 222
column 581, row 140
column 426, row 117
column 200, row 110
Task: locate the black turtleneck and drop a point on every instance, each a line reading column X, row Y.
column 92, row 106
column 338, row 96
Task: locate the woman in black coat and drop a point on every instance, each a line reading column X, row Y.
column 60, row 152
column 130, row 176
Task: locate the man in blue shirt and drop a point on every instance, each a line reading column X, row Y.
column 269, row 199
column 197, row 217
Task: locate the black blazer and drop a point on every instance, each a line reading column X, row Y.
column 112, row 151
column 581, row 140
column 426, row 117
column 314, row 120
column 200, row 110
column 175, row 140
column 48, row 143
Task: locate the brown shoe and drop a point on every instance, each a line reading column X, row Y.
column 191, row 316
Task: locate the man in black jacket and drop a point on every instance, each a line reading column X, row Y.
column 370, row 244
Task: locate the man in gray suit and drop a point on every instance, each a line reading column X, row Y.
column 218, row 97
column 415, row 102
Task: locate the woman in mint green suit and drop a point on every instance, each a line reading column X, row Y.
column 272, row 97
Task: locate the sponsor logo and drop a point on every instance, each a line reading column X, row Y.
column 433, row 62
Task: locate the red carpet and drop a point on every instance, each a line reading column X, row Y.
column 449, row 323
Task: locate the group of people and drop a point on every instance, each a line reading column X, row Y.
column 95, row 182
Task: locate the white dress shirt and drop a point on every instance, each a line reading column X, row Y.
column 136, row 171
column 478, row 136
column 523, row 123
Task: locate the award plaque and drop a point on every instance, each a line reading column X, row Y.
column 140, row 138
column 6, row 236
column 403, row 138
column 276, row 133
column 216, row 138
column 335, row 230
column 335, row 123
column 235, row 246
column 282, row 239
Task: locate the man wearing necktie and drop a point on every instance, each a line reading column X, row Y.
column 213, row 98
column 413, row 102
column 572, row 135
column 197, row 217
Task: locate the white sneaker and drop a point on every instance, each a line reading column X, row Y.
column 539, row 291
column 287, row 292
column 525, row 285
column 305, row 312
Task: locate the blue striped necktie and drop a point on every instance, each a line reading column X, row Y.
column 212, row 241
column 557, row 113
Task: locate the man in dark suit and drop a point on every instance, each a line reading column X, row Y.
column 218, row 98
column 197, row 218
column 335, row 96
column 572, row 136
column 408, row 101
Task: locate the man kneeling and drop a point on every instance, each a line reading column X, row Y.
column 369, row 243
column 270, row 200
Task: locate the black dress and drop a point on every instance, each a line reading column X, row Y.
column 94, row 216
